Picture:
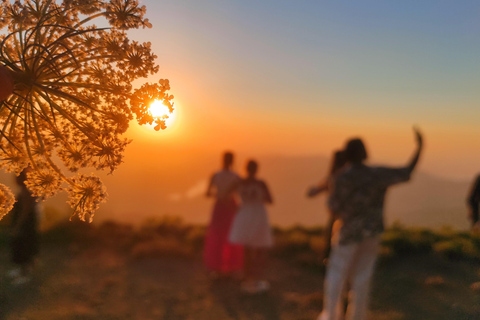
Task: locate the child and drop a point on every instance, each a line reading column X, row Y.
column 251, row 228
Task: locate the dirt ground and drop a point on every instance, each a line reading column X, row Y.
column 104, row 280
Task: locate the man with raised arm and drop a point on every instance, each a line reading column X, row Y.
column 357, row 199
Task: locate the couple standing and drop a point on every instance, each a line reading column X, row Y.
column 239, row 236
column 356, row 201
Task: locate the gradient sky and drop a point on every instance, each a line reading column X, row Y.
column 300, row 77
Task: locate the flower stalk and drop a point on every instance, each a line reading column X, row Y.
column 71, row 98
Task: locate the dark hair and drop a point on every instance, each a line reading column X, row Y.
column 355, row 150
column 339, row 161
column 227, row 159
column 22, row 177
column 252, row 167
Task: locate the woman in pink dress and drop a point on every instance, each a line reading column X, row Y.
column 220, row 256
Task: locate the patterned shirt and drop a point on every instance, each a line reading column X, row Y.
column 357, row 199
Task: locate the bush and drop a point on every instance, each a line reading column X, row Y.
column 299, row 239
column 457, row 249
column 404, row 241
column 318, row 244
column 195, row 236
column 292, row 241
column 162, row 247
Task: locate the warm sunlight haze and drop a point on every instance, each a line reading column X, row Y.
column 239, row 159
column 158, row 109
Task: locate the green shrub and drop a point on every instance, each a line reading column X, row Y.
column 299, row 239
column 195, row 236
column 166, row 225
column 290, row 243
column 457, row 249
column 476, row 240
column 408, row 241
column 318, row 244
column 161, row 247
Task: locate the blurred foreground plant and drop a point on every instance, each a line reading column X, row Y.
column 66, row 93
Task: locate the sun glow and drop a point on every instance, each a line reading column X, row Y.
column 158, row 109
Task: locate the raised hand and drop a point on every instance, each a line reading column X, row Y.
column 418, row 136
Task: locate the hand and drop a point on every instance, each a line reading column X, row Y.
column 312, row 191
column 418, row 136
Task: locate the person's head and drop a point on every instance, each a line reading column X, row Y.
column 22, row 177
column 227, row 160
column 339, row 161
column 355, row 151
column 252, row 168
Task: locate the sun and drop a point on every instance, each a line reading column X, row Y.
column 158, row 109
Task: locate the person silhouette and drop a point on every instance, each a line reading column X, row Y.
column 251, row 228
column 24, row 243
column 221, row 257
column 338, row 163
column 357, row 198
column 473, row 202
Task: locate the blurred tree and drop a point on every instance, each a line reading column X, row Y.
column 66, row 92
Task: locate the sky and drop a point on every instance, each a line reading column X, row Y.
column 288, row 82
column 301, row 77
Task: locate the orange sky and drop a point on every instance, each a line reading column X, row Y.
column 300, row 78
column 450, row 150
column 288, row 78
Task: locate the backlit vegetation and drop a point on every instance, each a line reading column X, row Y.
column 67, row 93
column 170, row 236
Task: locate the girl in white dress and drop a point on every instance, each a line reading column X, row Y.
column 251, row 228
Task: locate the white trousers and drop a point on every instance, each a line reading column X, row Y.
column 353, row 262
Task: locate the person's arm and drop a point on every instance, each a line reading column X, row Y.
column 316, row 190
column 209, row 192
column 339, row 194
column 419, row 139
column 268, row 196
column 389, row 176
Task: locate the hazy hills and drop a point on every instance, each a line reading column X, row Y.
column 157, row 188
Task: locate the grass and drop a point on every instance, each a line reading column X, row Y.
column 116, row 271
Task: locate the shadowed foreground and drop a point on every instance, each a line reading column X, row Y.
column 114, row 272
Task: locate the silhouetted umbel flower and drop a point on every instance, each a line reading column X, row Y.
column 72, row 95
column 7, row 199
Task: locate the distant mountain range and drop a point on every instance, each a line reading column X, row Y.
column 155, row 189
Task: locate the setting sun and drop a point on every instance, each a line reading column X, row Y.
column 158, row 109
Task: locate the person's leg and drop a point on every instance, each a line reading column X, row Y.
column 341, row 257
column 328, row 239
column 364, row 263
column 252, row 270
column 213, row 245
column 260, row 262
column 261, row 259
column 248, row 266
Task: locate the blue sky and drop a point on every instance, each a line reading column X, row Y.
column 370, row 51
